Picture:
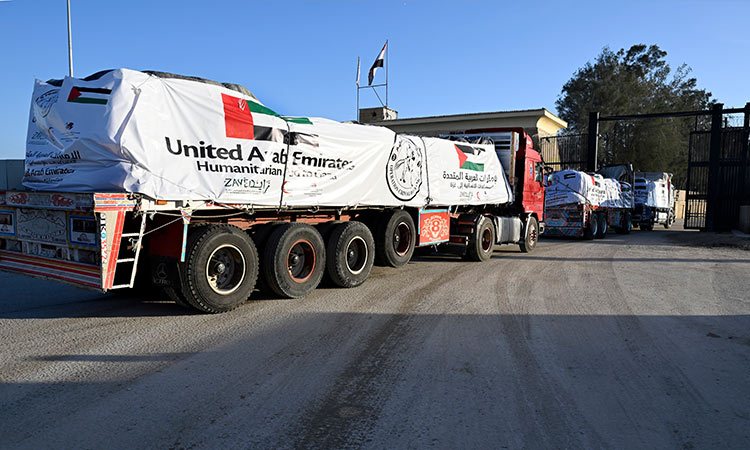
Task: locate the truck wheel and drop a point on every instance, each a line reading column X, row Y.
column 590, row 231
column 601, row 230
column 670, row 219
column 350, row 249
column 482, row 241
column 627, row 224
column 395, row 239
column 260, row 234
column 294, row 260
column 531, row 235
column 220, row 268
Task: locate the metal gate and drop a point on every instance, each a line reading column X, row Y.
column 565, row 151
column 717, row 181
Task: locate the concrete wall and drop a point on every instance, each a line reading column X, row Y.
column 11, row 174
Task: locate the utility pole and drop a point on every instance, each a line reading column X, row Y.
column 70, row 45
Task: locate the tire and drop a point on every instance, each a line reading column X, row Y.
column 601, row 230
column 175, row 295
column 294, row 260
column 395, row 239
column 326, row 228
column 220, row 268
column 530, row 235
column 627, row 225
column 350, row 251
column 260, row 234
column 482, row 241
column 670, row 219
column 590, row 231
column 647, row 227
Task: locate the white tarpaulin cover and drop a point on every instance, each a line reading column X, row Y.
column 574, row 187
column 175, row 138
column 654, row 194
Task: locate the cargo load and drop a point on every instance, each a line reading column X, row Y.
column 574, row 187
column 149, row 179
column 177, row 138
column 583, row 205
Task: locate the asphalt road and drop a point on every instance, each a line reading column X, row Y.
column 637, row 341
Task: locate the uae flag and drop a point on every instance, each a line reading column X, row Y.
column 97, row 96
column 465, row 155
column 237, row 117
column 378, row 63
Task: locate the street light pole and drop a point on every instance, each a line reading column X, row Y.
column 70, row 45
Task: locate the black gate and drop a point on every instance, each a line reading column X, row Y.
column 718, row 182
column 696, row 189
column 565, row 151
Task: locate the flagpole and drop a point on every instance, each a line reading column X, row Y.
column 387, row 63
column 70, row 44
column 357, row 113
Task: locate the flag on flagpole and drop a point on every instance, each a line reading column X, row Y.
column 357, row 70
column 378, row 63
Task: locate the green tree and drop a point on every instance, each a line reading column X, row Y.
column 635, row 81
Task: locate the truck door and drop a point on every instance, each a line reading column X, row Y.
column 533, row 185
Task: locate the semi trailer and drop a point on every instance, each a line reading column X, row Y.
column 579, row 204
column 154, row 179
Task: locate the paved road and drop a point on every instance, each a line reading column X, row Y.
column 636, row 341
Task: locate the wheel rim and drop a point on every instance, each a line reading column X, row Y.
column 402, row 238
column 356, row 255
column 301, row 260
column 533, row 234
column 225, row 269
column 486, row 240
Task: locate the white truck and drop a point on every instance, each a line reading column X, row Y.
column 138, row 178
column 579, row 204
column 654, row 200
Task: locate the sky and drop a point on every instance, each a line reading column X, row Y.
column 300, row 57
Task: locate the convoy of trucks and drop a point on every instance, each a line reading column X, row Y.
column 584, row 205
column 148, row 178
column 200, row 189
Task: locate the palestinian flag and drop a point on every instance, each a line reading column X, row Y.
column 239, row 122
column 97, row 96
column 378, row 63
column 465, row 153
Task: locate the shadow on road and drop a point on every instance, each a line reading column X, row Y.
column 585, row 381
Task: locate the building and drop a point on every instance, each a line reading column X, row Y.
column 538, row 123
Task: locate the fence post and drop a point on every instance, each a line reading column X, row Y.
column 712, row 191
column 745, row 195
column 593, row 141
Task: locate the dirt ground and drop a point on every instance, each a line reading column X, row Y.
column 633, row 341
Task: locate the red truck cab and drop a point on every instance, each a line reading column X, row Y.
column 515, row 148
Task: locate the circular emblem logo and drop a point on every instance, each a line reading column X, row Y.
column 403, row 172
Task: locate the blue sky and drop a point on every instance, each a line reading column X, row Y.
column 299, row 57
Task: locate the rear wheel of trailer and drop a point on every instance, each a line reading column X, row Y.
column 593, row 226
column 220, row 269
column 601, row 226
column 350, row 250
column 294, row 260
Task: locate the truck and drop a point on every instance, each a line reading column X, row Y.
column 525, row 171
column 148, row 179
column 586, row 205
column 654, row 200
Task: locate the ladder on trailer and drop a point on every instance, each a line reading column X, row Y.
column 135, row 240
